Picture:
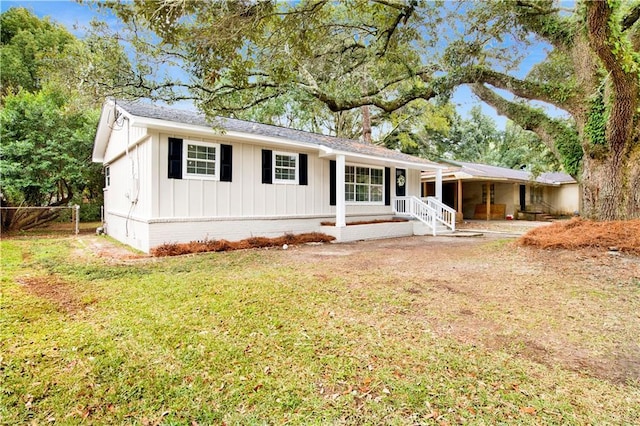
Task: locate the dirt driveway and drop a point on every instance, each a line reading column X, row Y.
column 578, row 310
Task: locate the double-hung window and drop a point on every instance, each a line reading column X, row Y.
column 201, row 160
column 363, row 184
column 285, row 168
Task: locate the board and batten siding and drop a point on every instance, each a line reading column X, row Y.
column 246, row 195
column 127, row 200
column 118, row 140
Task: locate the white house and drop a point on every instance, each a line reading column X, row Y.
column 173, row 176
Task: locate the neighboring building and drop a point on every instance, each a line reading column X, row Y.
column 173, row 176
column 511, row 192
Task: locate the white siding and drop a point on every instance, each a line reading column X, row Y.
column 245, row 195
column 118, row 140
column 129, row 189
column 144, row 208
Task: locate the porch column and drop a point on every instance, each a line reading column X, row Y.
column 439, row 184
column 459, row 195
column 340, row 203
column 488, row 200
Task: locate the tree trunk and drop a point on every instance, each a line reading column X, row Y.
column 611, row 187
column 366, row 124
column 24, row 219
column 610, row 178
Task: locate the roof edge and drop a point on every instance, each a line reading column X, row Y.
column 103, row 133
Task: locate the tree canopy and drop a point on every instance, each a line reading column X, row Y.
column 45, row 154
column 477, row 139
column 389, row 54
column 52, row 86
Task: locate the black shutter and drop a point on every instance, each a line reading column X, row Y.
column 332, row 183
column 302, row 171
column 226, row 169
column 267, row 172
column 401, row 182
column 175, row 158
column 387, row 186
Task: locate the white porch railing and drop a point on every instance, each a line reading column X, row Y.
column 431, row 213
column 444, row 214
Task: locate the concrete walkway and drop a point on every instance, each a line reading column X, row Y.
column 509, row 227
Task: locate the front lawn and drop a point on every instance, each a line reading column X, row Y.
column 394, row 332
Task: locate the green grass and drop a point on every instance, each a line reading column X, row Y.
column 247, row 338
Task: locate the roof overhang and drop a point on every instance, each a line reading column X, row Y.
column 105, row 125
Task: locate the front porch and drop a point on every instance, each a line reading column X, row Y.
column 413, row 216
column 393, row 188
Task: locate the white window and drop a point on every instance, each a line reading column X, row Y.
column 201, row 160
column 363, row 184
column 107, row 176
column 285, row 167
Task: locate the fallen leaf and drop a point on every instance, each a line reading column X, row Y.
column 528, row 410
column 434, row 414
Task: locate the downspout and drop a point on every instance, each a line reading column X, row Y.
column 341, row 221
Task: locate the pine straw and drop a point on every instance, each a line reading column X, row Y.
column 176, row 249
column 368, row 222
column 579, row 233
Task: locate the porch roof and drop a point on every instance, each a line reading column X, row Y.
column 460, row 170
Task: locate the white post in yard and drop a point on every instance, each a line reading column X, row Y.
column 340, row 203
column 439, row 184
column 77, row 210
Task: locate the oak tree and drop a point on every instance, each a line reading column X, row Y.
column 388, row 54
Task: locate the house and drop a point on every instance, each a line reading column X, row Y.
column 173, row 176
column 515, row 193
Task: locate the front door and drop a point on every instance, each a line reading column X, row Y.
column 401, row 182
column 523, row 198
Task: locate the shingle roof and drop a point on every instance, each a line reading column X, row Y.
column 146, row 110
column 556, row 177
column 477, row 170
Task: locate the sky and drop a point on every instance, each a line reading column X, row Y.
column 67, row 13
column 75, row 16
